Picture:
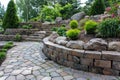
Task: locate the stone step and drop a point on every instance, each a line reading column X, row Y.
column 36, row 37
column 29, row 39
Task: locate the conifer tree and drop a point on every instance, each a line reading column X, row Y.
column 10, row 19
column 98, row 7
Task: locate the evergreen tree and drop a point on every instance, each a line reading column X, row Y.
column 98, row 7
column 11, row 19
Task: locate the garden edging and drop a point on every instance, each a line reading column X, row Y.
column 104, row 62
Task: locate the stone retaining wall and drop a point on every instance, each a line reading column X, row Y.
column 20, row 31
column 104, row 62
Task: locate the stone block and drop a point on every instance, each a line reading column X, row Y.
column 70, row 58
column 111, row 55
column 76, row 59
column 102, row 63
column 77, row 53
column 116, row 65
column 95, row 69
column 85, row 61
column 110, row 72
column 92, row 55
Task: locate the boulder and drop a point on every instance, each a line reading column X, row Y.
column 78, row 16
column 75, row 44
column 96, row 44
column 53, row 36
column 58, row 19
column 59, row 39
column 62, row 42
column 114, row 46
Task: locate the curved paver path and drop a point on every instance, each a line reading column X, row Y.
column 27, row 62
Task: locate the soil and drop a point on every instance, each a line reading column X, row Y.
column 1, row 61
column 85, row 37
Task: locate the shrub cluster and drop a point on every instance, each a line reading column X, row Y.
column 73, row 34
column 60, row 30
column 90, row 27
column 109, row 28
column 29, row 26
column 18, row 37
column 4, row 50
column 74, row 24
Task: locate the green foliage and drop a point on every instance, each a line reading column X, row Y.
column 49, row 13
column 109, row 28
column 3, row 50
column 2, row 11
column 29, row 26
column 74, row 24
column 54, row 29
column 18, row 37
column 62, row 31
column 11, row 19
column 7, row 46
column 10, row 42
column 73, row 34
column 67, row 11
column 2, row 55
column 98, row 7
column 90, row 27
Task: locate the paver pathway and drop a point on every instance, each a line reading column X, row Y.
column 27, row 62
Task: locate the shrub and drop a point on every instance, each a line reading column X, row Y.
column 90, row 27
column 7, row 46
column 3, row 50
column 74, row 24
column 27, row 26
column 18, row 37
column 73, row 34
column 11, row 19
column 54, row 29
column 10, row 42
column 62, row 31
column 109, row 28
column 98, row 7
column 2, row 55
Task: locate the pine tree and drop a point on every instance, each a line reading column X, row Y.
column 11, row 19
column 98, row 7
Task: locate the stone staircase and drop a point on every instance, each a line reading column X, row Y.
column 37, row 36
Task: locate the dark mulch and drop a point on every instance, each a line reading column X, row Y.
column 1, row 61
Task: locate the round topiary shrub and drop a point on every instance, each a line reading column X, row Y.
column 73, row 34
column 109, row 28
column 90, row 27
column 74, row 24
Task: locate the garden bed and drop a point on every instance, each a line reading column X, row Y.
column 102, row 62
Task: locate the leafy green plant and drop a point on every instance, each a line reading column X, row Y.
column 18, row 37
column 10, row 42
column 2, row 55
column 74, row 24
column 54, row 29
column 50, row 12
column 3, row 50
column 62, row 31
column 27, row 26
column 90, row 27
column 7, row 46
column 73, row 34
column 109, row 28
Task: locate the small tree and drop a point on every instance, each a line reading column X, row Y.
column 98, row 7
column 11, row 19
